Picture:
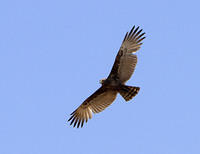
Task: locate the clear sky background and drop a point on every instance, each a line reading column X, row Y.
column 53, row 54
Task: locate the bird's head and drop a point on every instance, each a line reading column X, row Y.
column 102, row 81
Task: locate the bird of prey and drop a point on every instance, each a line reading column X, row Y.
column 121, row 72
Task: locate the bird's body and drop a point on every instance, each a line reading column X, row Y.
column 121, row 72
column 110, row 82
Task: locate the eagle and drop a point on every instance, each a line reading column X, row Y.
column 122, row 70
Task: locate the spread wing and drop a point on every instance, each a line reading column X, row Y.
column 125, row 61
column 96, row 103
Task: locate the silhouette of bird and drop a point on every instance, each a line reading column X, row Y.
column 121, row 72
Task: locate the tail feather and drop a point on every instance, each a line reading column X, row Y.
column 128, row 92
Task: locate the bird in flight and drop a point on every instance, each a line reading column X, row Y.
column 121, row 72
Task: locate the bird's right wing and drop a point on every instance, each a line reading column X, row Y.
column 96, row 103
column 125, row 61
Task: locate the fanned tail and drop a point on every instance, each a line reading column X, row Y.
column 128, row 92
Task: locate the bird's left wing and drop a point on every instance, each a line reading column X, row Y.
column 96, row 103
column 125, row 61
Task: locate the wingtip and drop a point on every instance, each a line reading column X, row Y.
column 131, row 30
column 75, row 122
column 73, row 112
column 140, row 40
column 137, row 28
column 125, row 37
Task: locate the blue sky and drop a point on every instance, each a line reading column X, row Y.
column 53, row 54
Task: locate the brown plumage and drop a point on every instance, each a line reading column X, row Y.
column 121, row 72
column 128, row 92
